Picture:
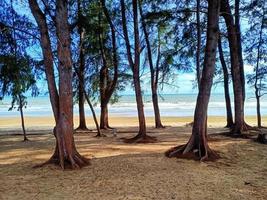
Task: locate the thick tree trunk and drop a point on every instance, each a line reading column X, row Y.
column 65, row 153
column 22, row 119
column 236, row 70
column 197, row 146
column 229, row 115
column 154, row 81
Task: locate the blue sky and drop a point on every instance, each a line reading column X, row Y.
column 183, row 81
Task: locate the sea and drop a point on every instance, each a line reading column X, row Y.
column 171, row 105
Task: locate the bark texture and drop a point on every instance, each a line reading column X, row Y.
column 197, row 146
column 65, row 153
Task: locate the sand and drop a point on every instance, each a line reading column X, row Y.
column 32, row 123
column 133, row 171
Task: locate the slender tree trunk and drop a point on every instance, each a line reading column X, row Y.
column 239, row 125
column 256, row 86
column 258, row 109
column 154, row 87
column 198, row 44
column 107, row 85
column 197, row 146
column 91, row 106
column 239, row 43
column 135, row 65
column 82, row 121
column 229, row 115
column 65, row 153
column 22, row 119
column 158, row 123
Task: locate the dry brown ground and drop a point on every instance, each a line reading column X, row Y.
column 133, row 171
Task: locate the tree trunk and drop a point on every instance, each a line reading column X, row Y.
column 239, row 43
column 197, row 146
column 107, row 85
column 198, row 44
column 239, row 125
column 47, row 55
column 104, row 117
column 135, row 65
column 22, row 119
column 65, row 153
column 153, row 78
column 155, row 101
column 258, row 109
column 256, row 86
column 229, row 115
column 82, row 121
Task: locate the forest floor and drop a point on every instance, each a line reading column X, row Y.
column 133, row 171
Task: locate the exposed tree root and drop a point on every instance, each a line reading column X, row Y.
column 75, row 161
column 141, row 138
column 187, row 152
column 237, row 132
column 26, row 139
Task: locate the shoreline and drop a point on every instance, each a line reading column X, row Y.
column 45, row 122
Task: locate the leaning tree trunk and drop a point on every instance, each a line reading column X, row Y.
column 239, row 125
column 22, row 119
column 197, row 146
column 65, row 153
column 153, row 72
column 229, row 114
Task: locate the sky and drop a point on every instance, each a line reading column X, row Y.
column 183, row 82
